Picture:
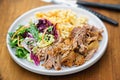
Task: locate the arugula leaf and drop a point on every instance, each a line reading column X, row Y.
column 11, row 34
column 13, row 43
column 33, row 30
column 40, row 36
column 50, row 28
column 21, row 30
column 21, row 52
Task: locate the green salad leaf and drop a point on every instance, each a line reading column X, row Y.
column 40, row 36
column 50, row 28
column 13, row 43
column 11, row 34
column 21, row 31
column 21, row 52
column 33, row 30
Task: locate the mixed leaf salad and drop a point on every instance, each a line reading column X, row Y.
column 27, row 39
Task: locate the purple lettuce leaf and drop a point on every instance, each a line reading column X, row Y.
column 27, row 34
column 43, row 24
column 35, row 58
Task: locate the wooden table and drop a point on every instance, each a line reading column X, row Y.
column 107, row 68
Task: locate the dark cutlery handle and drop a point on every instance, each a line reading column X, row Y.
column 100, row 5
column 102, row 17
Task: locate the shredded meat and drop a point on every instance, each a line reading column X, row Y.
column 79, row 60
column 75, row 50
column 52, row 61
column 82, row 37
column 69, row 59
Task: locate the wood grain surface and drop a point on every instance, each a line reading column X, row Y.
column 107, row 68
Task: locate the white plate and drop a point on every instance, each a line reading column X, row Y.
column 65, row 70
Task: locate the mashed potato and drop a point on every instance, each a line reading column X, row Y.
column 66, row 20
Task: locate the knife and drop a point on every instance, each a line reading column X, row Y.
column 100, row 5
column 73, row 4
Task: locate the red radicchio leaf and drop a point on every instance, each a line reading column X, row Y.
column 44, row 23
column 27, row 34
column 35, row 58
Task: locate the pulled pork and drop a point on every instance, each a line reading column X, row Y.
column 75, row 50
